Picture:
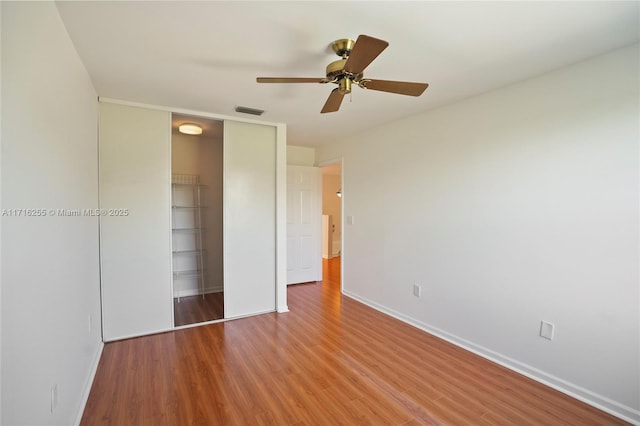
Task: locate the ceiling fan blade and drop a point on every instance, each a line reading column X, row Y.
column 333, row 102
column 363, row 53
column 290, row 80
column 400, row 87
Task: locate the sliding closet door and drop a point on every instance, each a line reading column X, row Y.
column 135, row 226
column 249, row 218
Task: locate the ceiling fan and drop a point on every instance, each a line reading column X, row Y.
column 356, row 56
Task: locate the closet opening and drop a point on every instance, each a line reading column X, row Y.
column 197, row 219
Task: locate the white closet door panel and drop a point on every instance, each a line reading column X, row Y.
column 307, row 212
column 249, row 218
column 292, row 253
column 135, row 248
column 307, row 252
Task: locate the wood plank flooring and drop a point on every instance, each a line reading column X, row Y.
column 194, row 309
column 330, row 361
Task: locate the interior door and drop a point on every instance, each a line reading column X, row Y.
column 304, row 224
column 249, row 205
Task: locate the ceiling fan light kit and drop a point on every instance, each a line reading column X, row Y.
column 356, row 56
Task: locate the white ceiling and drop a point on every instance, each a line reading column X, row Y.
column 206, row 55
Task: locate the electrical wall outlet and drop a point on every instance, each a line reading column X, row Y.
column 546, row 330
column 417, row 290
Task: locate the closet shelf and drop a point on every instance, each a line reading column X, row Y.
column 188, row 230
column 188, row 252
column 188, row 220
column 193, row 273
column 200, row 185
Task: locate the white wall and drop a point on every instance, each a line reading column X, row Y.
column 50, row 282
column 301, row 156
column 509, row 208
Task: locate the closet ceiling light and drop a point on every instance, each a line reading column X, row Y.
column 190, row 129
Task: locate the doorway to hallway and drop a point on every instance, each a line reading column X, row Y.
column 332, row 211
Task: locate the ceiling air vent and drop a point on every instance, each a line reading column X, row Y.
column 247, row 110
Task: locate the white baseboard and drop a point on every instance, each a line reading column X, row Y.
column 624, row 412
column 89, row 384
column 282, row 309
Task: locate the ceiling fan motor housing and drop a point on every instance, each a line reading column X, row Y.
column 335, row 69
column 336, row 73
